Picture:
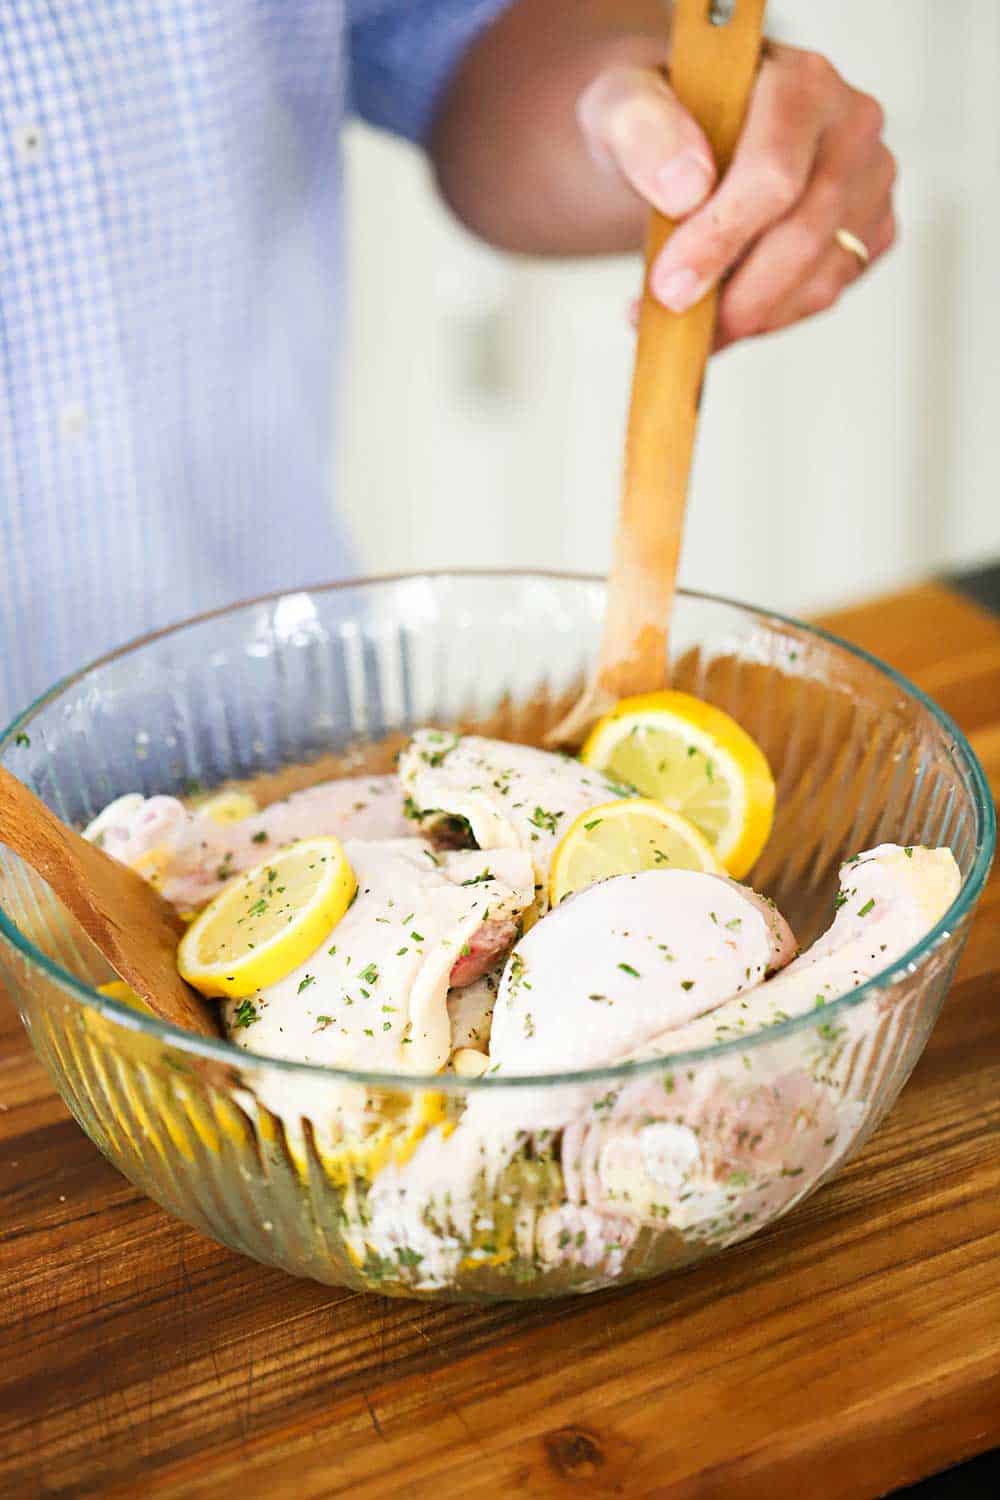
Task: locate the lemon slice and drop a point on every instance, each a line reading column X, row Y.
column 228, row 807
column 269, row 920
column 622, row 838
column 695, row 759
column 117, row 989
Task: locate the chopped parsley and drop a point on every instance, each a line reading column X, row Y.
column 260, row 838
column 437, row 758
column 548, row 821
column 246, row 1013
column 867, row 907
column 22, row 739
column 305, row 982
column 628, row 969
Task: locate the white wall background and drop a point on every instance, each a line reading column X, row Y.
column 486, row 395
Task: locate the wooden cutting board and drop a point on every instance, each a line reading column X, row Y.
column 851, row 1349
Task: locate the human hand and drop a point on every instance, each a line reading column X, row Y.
column 810, row 161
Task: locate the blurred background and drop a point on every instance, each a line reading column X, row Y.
column 486, row 394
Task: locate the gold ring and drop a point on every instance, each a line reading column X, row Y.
column 850, row 242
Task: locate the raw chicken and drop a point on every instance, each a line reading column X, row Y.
column 511, row 796
column 375, row 997
column 709, row 1151
column 471, row 1011
column 714, row 1149
column 189, row 857
column 889, row 898
column 612, row 967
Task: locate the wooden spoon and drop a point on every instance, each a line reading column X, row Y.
column 712, row 69
column 131, row 924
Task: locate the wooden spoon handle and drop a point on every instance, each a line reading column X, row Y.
column 712, row 69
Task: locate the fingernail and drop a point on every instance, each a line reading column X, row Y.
column 679, row 290
column 683, row 183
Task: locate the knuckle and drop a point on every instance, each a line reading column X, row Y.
column 812, row 238
column 890, row 169
column 885, row 235
column 817, row 71
column 869, row 116
column 777, row 185
column 826, row 200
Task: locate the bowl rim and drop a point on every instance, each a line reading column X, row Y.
column 230, row 1054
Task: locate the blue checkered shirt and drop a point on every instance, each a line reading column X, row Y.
column 171, row 298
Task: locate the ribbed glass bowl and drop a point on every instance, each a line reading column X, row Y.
column 309, row 1168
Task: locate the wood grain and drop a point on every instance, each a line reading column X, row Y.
column 851, row 1349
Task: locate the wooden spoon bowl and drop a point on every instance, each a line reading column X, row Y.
column 135, row 929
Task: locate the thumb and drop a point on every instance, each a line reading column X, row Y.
column 632, row 120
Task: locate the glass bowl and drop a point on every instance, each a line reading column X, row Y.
column 590, row 1179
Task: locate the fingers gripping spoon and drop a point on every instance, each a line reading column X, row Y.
column 715, row 45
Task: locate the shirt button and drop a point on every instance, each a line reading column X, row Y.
column 72, row 420
column 29, row 141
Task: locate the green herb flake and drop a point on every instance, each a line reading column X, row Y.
column 548, row 821
column 246, row 1013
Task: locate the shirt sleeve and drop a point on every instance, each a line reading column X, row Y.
column 403, row 53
